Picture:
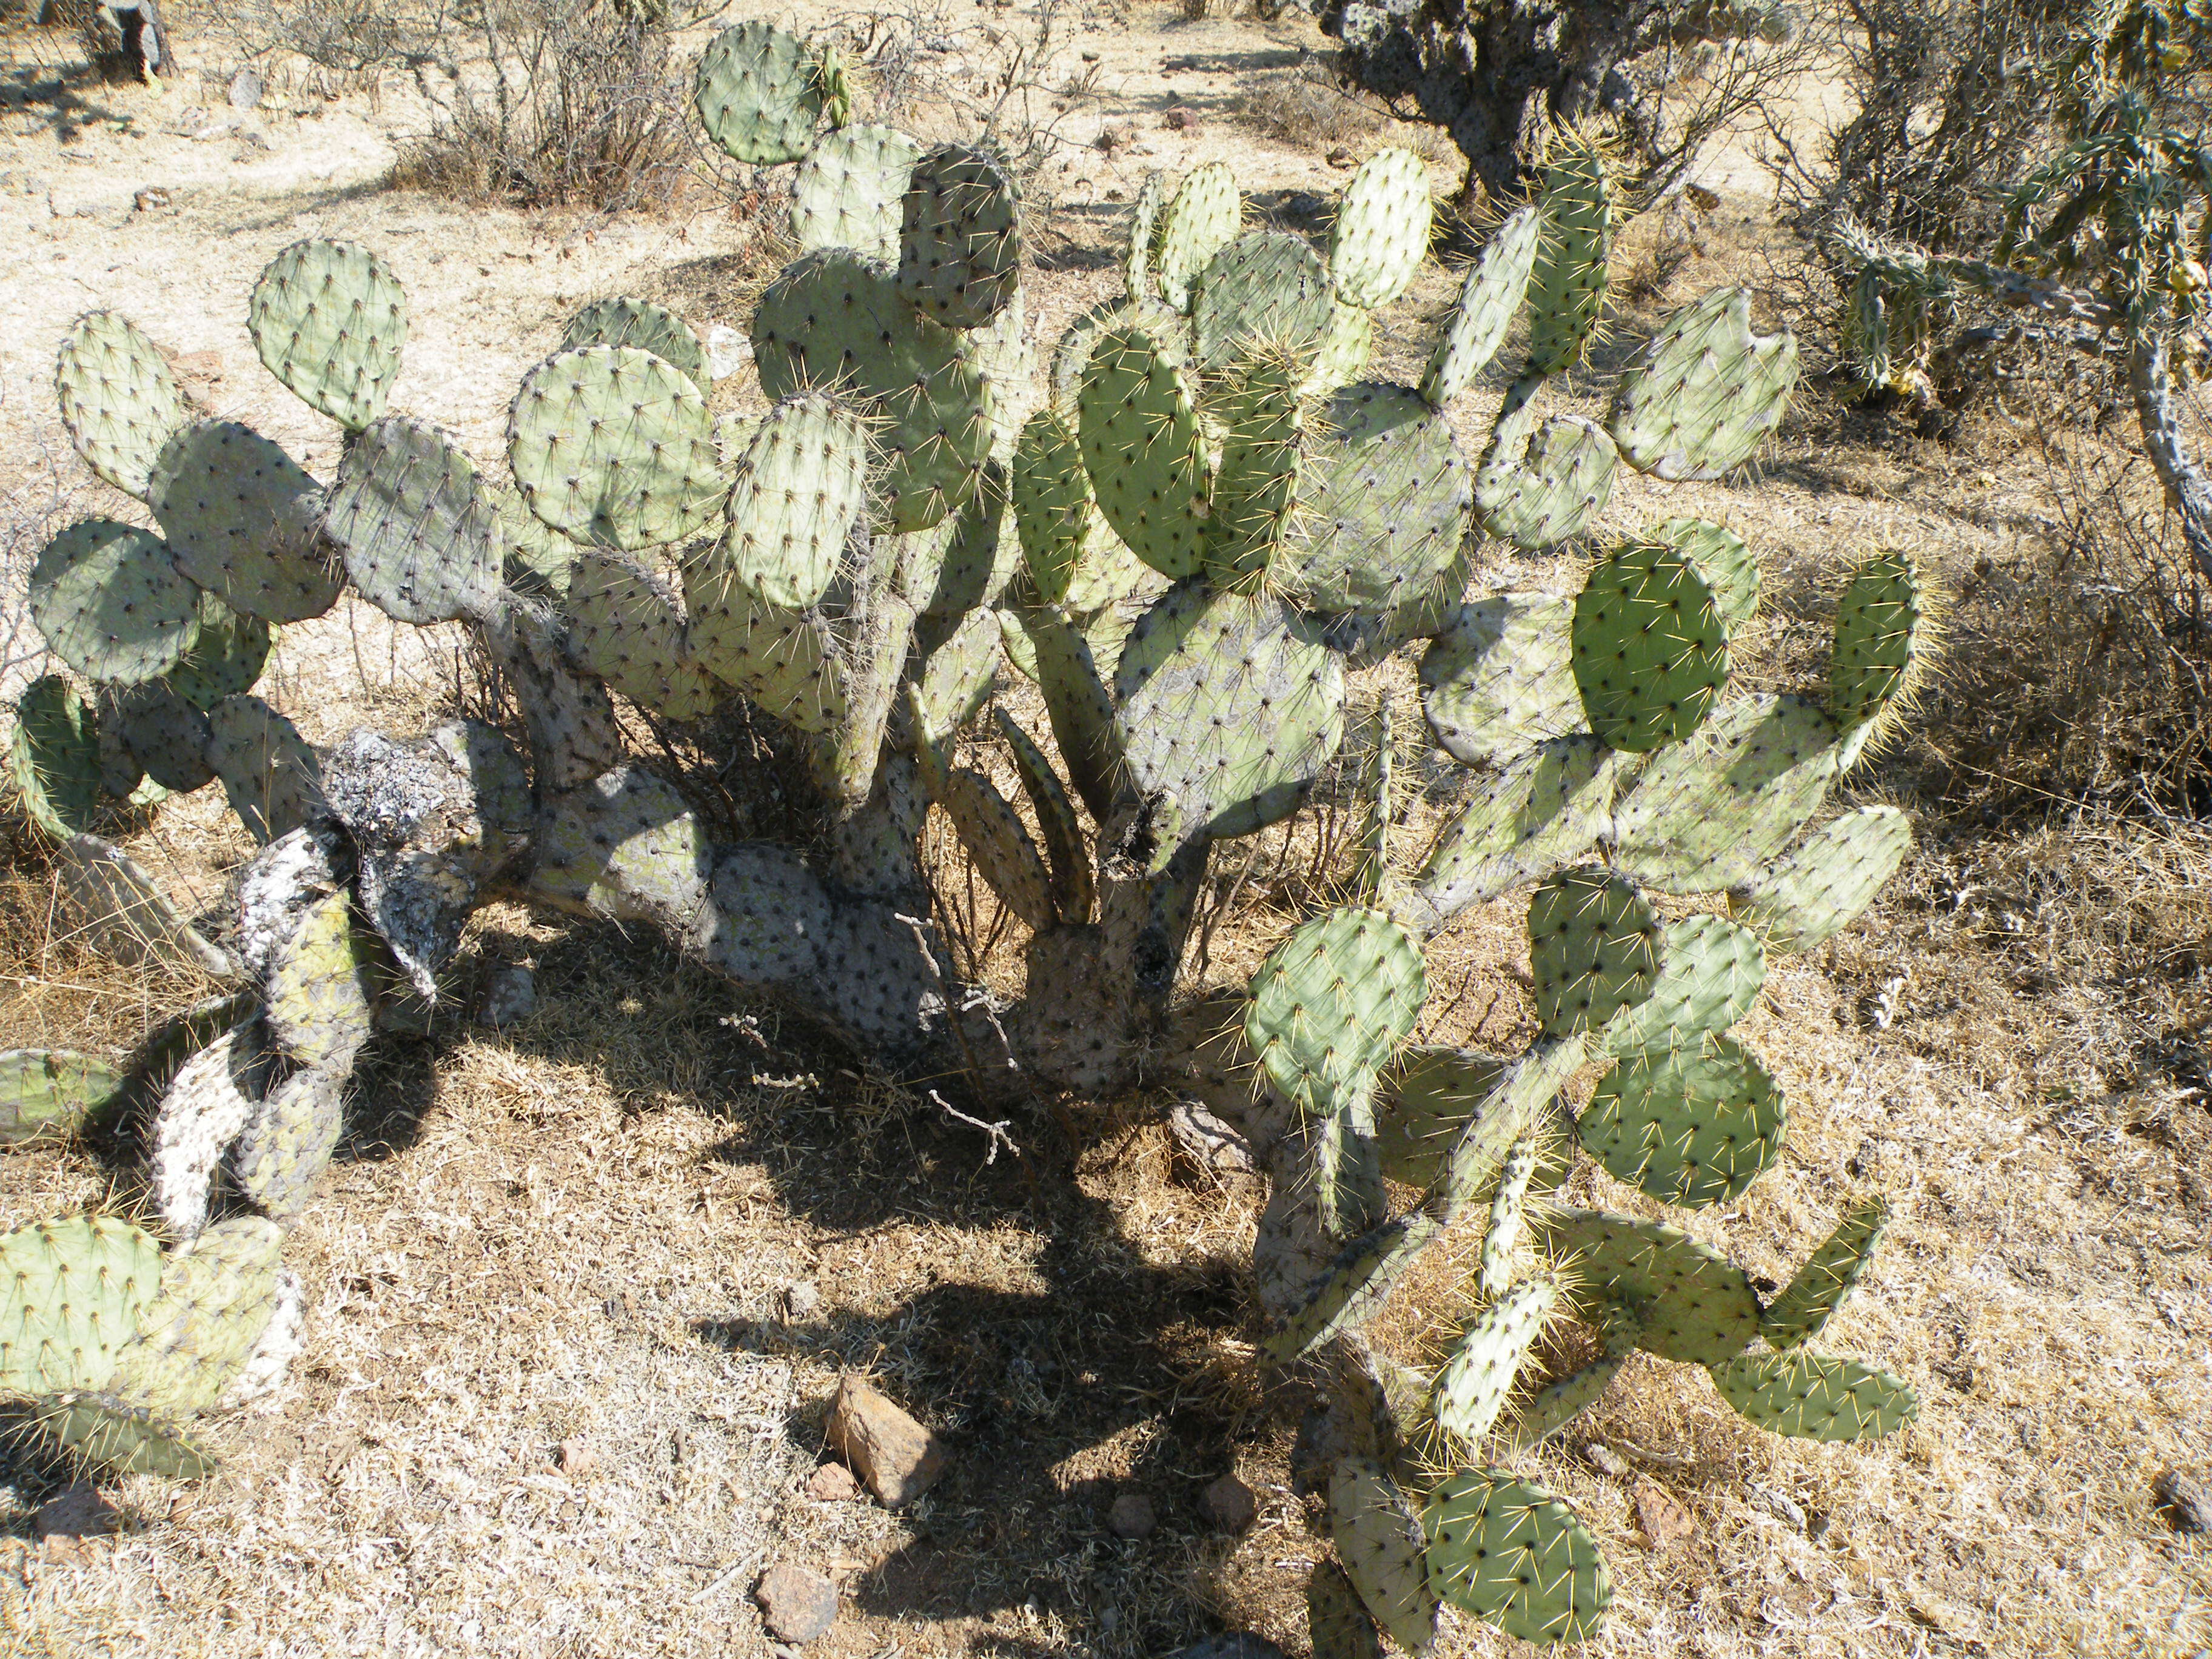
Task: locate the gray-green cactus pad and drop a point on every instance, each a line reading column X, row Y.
column 1500, row 680
column 1537, row 491
column 1523, row 1100
column 1694, row 1305
column 1390, row 504
column 168, row 736
column 1489, row 299
column 767, row 919
column 959, row 672
column 786, row 661
column 1353, row 1287
column 851, row 190
column 330, row 321
column 1228, row 707
column 244, row 521
column 112, row 1436
column 1650, row 648
column 1068, row 855
column 70, row 1292
column 318, row 989
column 1081, row 710
column 612, row 445
column 626, row 846
column 53, row 758
column 999, row 842
column 627, row 627
column 1545, row 809
column 1137, row 421
column 836, row 321
column 226, row 657
column 1486, row 1359
column 1265, row 289
column 1729, row 568
column 759, row 93
column 1709, row 972
column 1202, row 214
column 1691, row 1124
column 415, row 523
column 1810, row 1396
column 270, row 772
column 50, row 1094
column 1332, row 1003
column 960, row 241
column 1339, row 1625
column 1566, row 289
column 1594, row 944
column 1827, row 883
column 1802, row 1312
column 1510, row 1552
column 112, row 603
column 119, row 398
column 1879, row 638
column 1381, row 232
column 1054, row 513
column 800, row 488
column 196, row 1334
column 1380, row 1540
column 1423, row 1106
column 1705, row 393
column 287, row 1144
column 1255, row 487
column 1144, row 229
column 1710, row 812
column 623, row 321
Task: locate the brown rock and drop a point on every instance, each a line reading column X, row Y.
column 1229, row 1504
column 77, row 1511
column 833, row 1483
column 797, row 1604
column 2186, row 1500
column 1665, row 1521
column 1340, row 157
column 1116, row 135
column 1180, row 120
column 898, row 1458
column 1131, row 1516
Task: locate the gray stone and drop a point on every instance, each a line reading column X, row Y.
column 510, row 996
column 1131, row 1516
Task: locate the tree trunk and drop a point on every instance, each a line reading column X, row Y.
column 2186, row 486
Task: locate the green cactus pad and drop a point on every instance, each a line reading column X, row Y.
column 1802, row 1312
column 112, row 603
column 981, row 556
column 1500, row 680
column 1264, row 289
column 1729, row 567
column 611, row 445
column 1705, row 393
column 959, row 673
column 1380, row 1540
column 415, row 524
column 48, row 1095
column 1336, row 1620
column 627, row 627
column 759, row 93
column 1067, row 857
column 1537, row 491
column 1880, row 626
column 1137, row 421
column 1052, row 503
column 784, row 662
column 1143, row 230
column 960, row 239
column 1332, row 1003
column 1202, row 215
column 1255, row 486
column 1339, row 1163
column 318, row 989
column 1691, row 1124
column 1523, row 1101
column 1228, row 706
column 1557, row 1404
column 288, row 1142
column 1489, row 300
column 1566, row 288
column 1511, row 1553
column 534, row 559
column 623, row 321
column 243, row 521
column 226, row 658
column 1353, row 1287
column 168, row 736
column 1081, row 710
column 1693, row 1304
column 1594, row 945
column 998, row 841
column 270, row 772
column 1810, row 1396
column 330, row 321
column 1543, row 810
column 768, row 918
column 111, row 1436
column 799, row 490
column 1709, row 972
column 1389, row 505
column 121, row 772
column 196, row 1334
column 1651, row 649
column 1710, row 813
column 836, row 321
column 1828, row 882
column 1509, row 1206
column 1424, row 1106
column 1486, row 1359
column 625, row 847
column 851, row 190
column 1347, row 342
column 70, row 1292
column 1381, row 232
column 118, row 397
column 53, row 758
column 1387, row 1405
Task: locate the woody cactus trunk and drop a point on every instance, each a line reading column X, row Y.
column 1192, row 530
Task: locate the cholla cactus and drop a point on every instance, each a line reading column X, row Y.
column 1187, row 535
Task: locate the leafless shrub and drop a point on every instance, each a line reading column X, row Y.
column 350, row 38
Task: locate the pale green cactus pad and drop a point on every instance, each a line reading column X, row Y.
column 1523, row 1100
column 627, row 627
column 1137, row 421
column 1387, row 504
column 415, row 523
column 1880, row 643
column 1332, row 1003
column 1489, row 299
column 196, row 1334
column 1566, row 289
column 1650, row 646
column 759, row 93
column 118, row 397
column 959, row 673
column 1557, row 1404
column 995, row 837
column 1729, row 567
column 317, row 989
column 1353, row 1287
column 1691, row 1126
column 1426, row 1102
column 105, row 1433
column 48, row 1095
column 1264, row 291
column 1547, row 807
column 1347, row 342
column 1500, row 680
column 1511, row 1553
column 330, row 321
column 1705, row 393
column 53, row 758
column 1485, row 1360
column 1381, row 232
column 1081, row 710
column 288, row 1142
column 244, row 521
column 626, row 846
column 1203, row 215
column 786, row 661
column 1537, row 491
column 1809, row 1396
column 612, row 445
column 1709, row 972
column 1068, row 856
column 1802, row 1312
column 1255, row 487
column 112, row 603
column 851, row 190
column 960, row 239
column 1709, row 813
column 1693, row 1304
column 1594, row 948
column 1143, row 230
column 800, row 488
column 1827, row 883
column 70, row 1292
column 270, row 772
column 1052, row 504
column 1380, row 1540
column 623, row 321
column 1337, row 1621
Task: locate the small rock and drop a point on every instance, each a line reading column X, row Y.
column 1180, row 120
column 1206, row 1140
column 1229, row 1504
column 77, row 1511
column 1131, row 1516
column 244, row 89
column 1780, row 1506
column 510, row 996
column 803, row 1300
column 1116, row 135
column 727, row 351
column 152, row 199
column 1606, row 1461
column 796, row 1605
column 2183, row 1496
column 833, row 1483
column 898, row 1458
column 1665, row 1521
column 576, row 1458
column 1339, row 157
column 1090, row 57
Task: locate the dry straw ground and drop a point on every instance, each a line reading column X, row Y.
column 587, row 1232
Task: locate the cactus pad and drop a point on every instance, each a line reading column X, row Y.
column 1511, row 1553
column 119, row 398
column 226, row 657
column 612, row 445
column 851, row 190
column 1380, row 1540
column 1500, row 680
column 1827, row 882
column 1137, row 421
column 800, row 488
column 784, row 662
column 288, row 1142
column 1545, row 809
column 995, row 837
column 330, row 322
column 1067, row 856
column 1523, row 1100
column 1332, row 1003
column 117, row 907
column 1705, row 393
column 1081, row 710
column 1203, row 215
column 1729, row 567
column 168, row 737
column 1693, row 1304
column 112, row 603
column 1557, row 1404
column 960, row 239
column 1802, row 1312
column 270, row 772
column 1382, row 233
column 959, row 673
column 1255, row 487
column 1691, row 1126
column 627, row 627
column 50, row 1094
column 1337, row 1621
column 1489, row 299
column 53, row 758
column 768, row 919
column 626, row 848
column 1880, row 626
column 1810, row 1396
column 196, row 1334
column 1353, row 1287
column 1389, row 502
column 318, row 989
column 1264, row 289
column 1143, row 230
column 243, row 520
column 1347, row 342
column 759, row 93
column 104, row 1433
column 1485, row 1360
column 1594, row 948
column 1052, row 504
column 1425, row 1105
column 1537, row 491
column 623, row 321
column 1651, row 649
column 414, row 523
column 1709, row 813
column 1566, row 288
column 1709, row 972
column 71, row 1293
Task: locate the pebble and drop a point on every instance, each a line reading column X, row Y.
column 833, row 1483
column 898, row 1458
column 803, row 1300
column 1229, row 1504
column 510, row 996
column 1664, row 1521
column 797, row 1603
column 1131, row 1516
column 1606, row 1461
column 577, row 1458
